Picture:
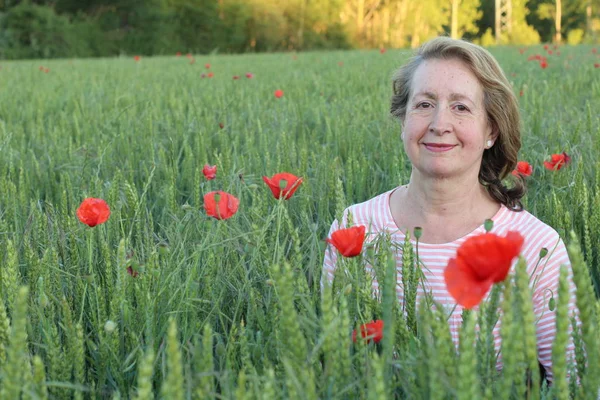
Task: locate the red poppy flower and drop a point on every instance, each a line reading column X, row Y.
column 283, row 184
column 93, row 211
column 382, row 51
column 210, row 172
column 521, row 93
column 249, row 75
column 210, row 75
column 545, row 47
column 220, row 205
column 596, row 65
column 178, row 54
column 594, row 50
column 46, row 70
column 371, row 331
column 189, row 55
column 544, row 64
column 207, row 66
column 132, row 272
column 136, row 58
column 236, row 77
column 557, row 161
column 549, row 52
column 348, row 241
column 523, row 169
column 522, row 50
column 279, row 93
column 221, row 125
column 480, row 262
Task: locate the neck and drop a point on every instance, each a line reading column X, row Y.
column 443, row 199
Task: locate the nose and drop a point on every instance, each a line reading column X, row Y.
column 440, row 121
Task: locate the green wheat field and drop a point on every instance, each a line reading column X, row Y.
column 233, row 309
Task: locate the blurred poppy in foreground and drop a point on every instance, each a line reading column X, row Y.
column 278, row 93
column 249, row 75
column 371, row 331
column 207, row 66
column 283, row 184
column 348, row 241
column 210, row 75
column 523, row 168
column 480, row 262
column 93, row 211
column 236, row 77
column 210, row 172
column 220, row 205
column 136, row 58
column 557, row 161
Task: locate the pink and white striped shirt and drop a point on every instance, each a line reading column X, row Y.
column 376, row 216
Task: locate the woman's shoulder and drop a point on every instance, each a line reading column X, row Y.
column 537, row 233
column 373, row 212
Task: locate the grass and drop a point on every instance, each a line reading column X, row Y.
column 137, row 134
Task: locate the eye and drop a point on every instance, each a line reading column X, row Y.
column 462, row 108
column 423, row 104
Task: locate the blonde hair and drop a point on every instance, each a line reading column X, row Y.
column 500, row 104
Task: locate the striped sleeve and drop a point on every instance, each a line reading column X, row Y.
column 545, row 287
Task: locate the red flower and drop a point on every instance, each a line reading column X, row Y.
column 210, row 75
column 594, row 50
column 136, row 58
column 236, row 77
column 132, row 272
column 543, row 64
column 279, row 93
column 249, row 75
column 93, row 211
column 221, row 125
column 382, row 50
column 550, row 52
column 46, row 70
column 522, row 50
column 480, row 262
column 189, row 55
column 207, row 66
column 596, row 65
column 178, row 54
column 341, row 63
column 557, row 161
column 283, row 184
column 523, row 169
column 209, row 172
column 373, row 330
column 521, row 93
column 220, row 205
column 545, row 47
column 349, row 241
column 41, row 67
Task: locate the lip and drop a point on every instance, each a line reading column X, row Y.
column 438, row 147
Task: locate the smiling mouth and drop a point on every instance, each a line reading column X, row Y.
column 438, row 147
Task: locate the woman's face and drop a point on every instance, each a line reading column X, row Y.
column 446, row 128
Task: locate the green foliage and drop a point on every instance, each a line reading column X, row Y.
column 246, row 292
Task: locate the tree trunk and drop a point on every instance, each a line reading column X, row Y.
column 454, row 27
column 557, row 22
column 360, row 18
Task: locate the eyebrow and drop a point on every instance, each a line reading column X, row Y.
column 453, row 96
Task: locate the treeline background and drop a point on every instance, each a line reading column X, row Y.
column 96, row 28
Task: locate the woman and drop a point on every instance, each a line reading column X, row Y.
column 461, row 131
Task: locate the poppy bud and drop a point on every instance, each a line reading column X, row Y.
column 488, row 225
column 543, row 252
column 418, row 232
column 552, row 304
